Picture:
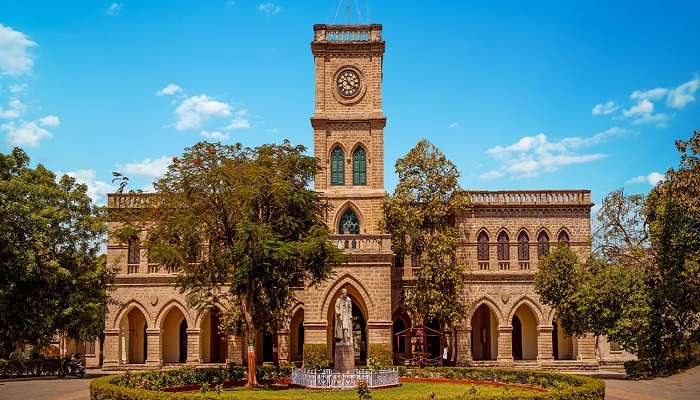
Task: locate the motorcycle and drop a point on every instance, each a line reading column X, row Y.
column 72, row 366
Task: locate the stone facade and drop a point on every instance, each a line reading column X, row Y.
column 502, row 238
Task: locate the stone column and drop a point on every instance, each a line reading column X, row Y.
column 379, row 335
column 315, row 333
column 154, row 357
column 586, row 348
column 193, row 356
column 464, row 346
column 545, row 356
column 283, row 346
column 234, row 353
column 505, row 345
column 111, row 348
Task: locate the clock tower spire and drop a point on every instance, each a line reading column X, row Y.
column 348, row 124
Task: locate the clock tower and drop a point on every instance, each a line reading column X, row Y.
column 348, row 125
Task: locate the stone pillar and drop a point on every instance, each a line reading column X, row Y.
column 379, row 340
column 111, row 348
column 193, row 356
column 315, row 332
column 234, row 353
column 544, row 345
column 505, row 345
column 283, row 346
column 464, row 346
column 586, row 348
column 154, row 357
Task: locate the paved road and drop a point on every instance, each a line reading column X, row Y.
column 684, row 386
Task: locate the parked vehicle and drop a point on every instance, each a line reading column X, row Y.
column 72, row 365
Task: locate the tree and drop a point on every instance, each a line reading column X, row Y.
column 51, row 276
column 421, row 217
column 244, row 230
column 642, row 288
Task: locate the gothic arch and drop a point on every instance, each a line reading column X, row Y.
column 127, row 308
column 564, row 230
column 503, row 229
column 545, row 230
column 527, row 301
column 521, row 230
column 364, row 301
column 341, row 210
column 491, row 304
column 333, row 146
column 203, row 312
column 357, row 145
column 485, row 230
column 167, row 307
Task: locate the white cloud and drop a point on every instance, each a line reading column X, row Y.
column 169, row 90
column 533, row 155
column 240, row 121
column 26, row 133
column 215, row 135
column 17, row 88
column 644, row 106
column 658, row 118
column 683, row 94
column 96, row 190
column 14, row 109
column 643, row 111
column 269, row 8
column 453, row 125
column 50, row 121
column 153, row 168
column 606, row 108
column 15, row 59
column 652, row 94
column 196, row 110
column 114, row 9
column 652, row 179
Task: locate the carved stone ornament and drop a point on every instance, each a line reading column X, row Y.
column 154, row 300
column 505, row 297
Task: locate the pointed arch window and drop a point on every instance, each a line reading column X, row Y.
column 523, row 246
column 359, row 167
column 563, row 237
column 503, row 250
column 337, row 167
column 482, row 247
column 133, row 251
column 349, row 224
column 542, row 245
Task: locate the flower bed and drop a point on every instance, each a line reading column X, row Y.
column 151, row 385
column 14, row 368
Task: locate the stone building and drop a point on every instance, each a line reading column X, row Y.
column 502, row 238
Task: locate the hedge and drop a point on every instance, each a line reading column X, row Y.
column 134, row 386
column 380, row 354
column 15, row 367
column 315, row 356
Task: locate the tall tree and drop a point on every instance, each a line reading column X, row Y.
column 243, row 228
column 421, row 217
column 51, row 276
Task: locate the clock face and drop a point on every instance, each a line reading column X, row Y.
column 348, row 83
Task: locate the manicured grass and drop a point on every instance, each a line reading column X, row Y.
column 409, row 390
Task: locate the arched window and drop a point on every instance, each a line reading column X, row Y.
column 563, row 237
column 337, row 167
column 523, row 246
column 133, row 251
column 349, row 224
column 359, row 167
column 503, row 250
column 482, row 246
column 542, row 245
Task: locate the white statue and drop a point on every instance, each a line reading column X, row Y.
column 343, row 318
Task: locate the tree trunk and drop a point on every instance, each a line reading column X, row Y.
column 246, row 307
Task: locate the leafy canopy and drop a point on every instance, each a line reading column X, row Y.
column 51, row 276
column 421, row 217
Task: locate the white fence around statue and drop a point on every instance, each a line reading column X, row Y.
column 327, row 379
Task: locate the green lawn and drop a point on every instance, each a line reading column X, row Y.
column 405, row 391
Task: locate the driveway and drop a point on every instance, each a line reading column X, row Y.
column 50, row 388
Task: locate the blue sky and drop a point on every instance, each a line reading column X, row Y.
column 535, row 95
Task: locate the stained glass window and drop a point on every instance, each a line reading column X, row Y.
column 482, row 246
column 542, row 245
column 349, row 225
column 503, row 250
column 523, row 246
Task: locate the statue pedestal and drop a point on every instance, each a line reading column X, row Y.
column 344, row 358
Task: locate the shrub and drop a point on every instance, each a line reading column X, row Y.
column 363, row 392
column 315, row 356
column 380, row 354
column 15, row 367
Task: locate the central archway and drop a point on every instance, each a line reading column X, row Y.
column 524, row 334
column 174, row 337
column 133, row 338
column 359, row 322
